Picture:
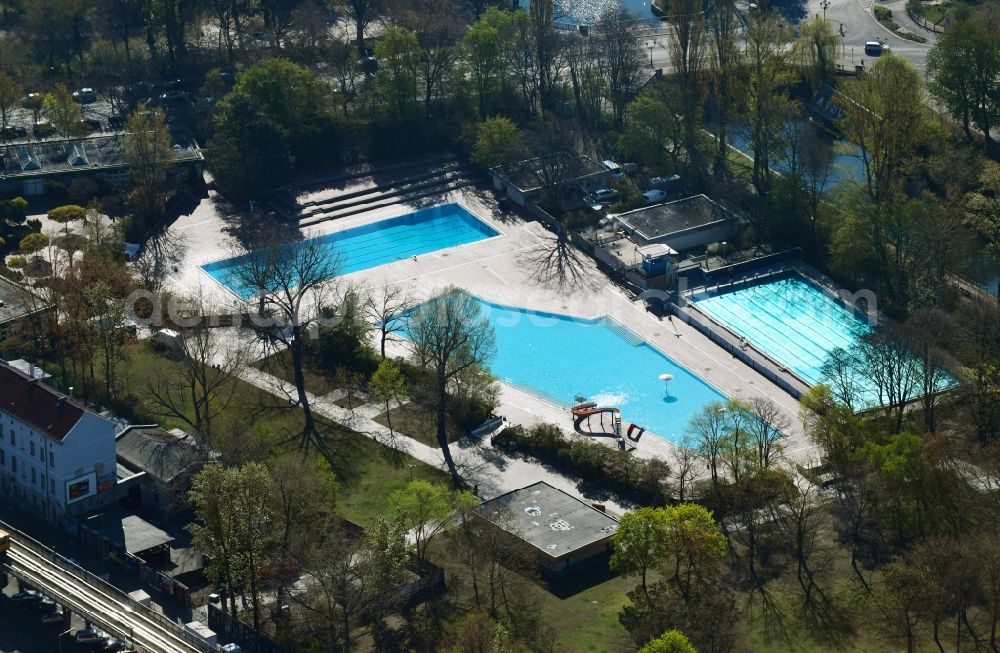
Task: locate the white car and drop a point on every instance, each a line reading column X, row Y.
column 654, row 196
column 614, row 168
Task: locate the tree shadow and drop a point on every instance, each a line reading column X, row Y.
column 558, row 263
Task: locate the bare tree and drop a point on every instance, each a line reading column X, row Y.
column 286, row 287
column 725, row 59
column 203, row 386
column 388, row 312
column 687, row 43
column 357, row 578
column 892, row 369
column 620, row 61
column 768, row 428
column 707, row 430
column 450, row 335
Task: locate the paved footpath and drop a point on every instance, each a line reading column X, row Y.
column 479, row 463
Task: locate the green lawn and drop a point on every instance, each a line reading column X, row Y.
column 258, row 424
column 420, row 424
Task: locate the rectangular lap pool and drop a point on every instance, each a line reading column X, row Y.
column 561, row 358
column 359, row 248
column 789, row 318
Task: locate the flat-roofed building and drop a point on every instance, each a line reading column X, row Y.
column 522, row 181
column 567, row 534
column 683, row 224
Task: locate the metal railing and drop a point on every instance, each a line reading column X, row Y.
column 104, row 586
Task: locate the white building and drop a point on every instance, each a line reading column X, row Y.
column 56, row 457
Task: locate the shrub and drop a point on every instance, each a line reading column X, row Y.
column 637, row 479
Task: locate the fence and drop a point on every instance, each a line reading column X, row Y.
column 245, row 635
column 715, row 333
column 937, row 28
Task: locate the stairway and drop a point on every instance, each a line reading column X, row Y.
column 444, row 178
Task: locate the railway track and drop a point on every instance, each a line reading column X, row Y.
column 102, row 604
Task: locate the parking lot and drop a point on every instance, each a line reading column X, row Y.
column 22, row 630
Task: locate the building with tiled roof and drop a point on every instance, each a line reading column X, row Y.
column 57, row 458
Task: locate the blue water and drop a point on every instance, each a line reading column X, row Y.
column 790, row 319
column 562, row 358
column 421, row 232
column 844, row 165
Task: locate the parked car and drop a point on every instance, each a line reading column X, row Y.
column 173, row 84
column 116, row 121
column 27, row 597
column 44, row 604
column 13, row 131
column 32, row 100
column 173, row 97
column 603, row 196
column 43, row 129
column 616, row 170
column 91, row 636
column 654, row 196
column 54, row 617
column 112, row 645
column 92, row 124
column 85, row 95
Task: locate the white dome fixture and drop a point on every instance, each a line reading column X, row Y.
column 667, row 378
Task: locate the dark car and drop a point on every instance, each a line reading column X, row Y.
column 173, row 97
column 54, row 617
column 116, row 121
column 43, row 129
column 44, row 604
column 91, row 636
column 112, row 645
column 85, row 95
column 173, row 84
column 92, row 124
column 27, row 597
column 13, row 132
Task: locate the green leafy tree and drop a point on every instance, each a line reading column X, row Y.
column 65, row 114
column 983, row 209
column 651, row 134
column 388, row 385
column 66, row 214
column 883, row 114
column 450, row 334
column 33, row 243
column 426, row 509
column 398, row 54
column 498, row 141
column 963, row 70
column 672, row 641
column 816, row 49
column 639, row 543
column 276, row 108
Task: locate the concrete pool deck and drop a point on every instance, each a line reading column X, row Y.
column 518, row 268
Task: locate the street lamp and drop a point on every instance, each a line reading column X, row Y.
column 825, row 4
column 650, row 45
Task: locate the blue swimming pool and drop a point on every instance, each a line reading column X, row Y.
column 561, row 358
column 421, row 232
column 790, row 319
